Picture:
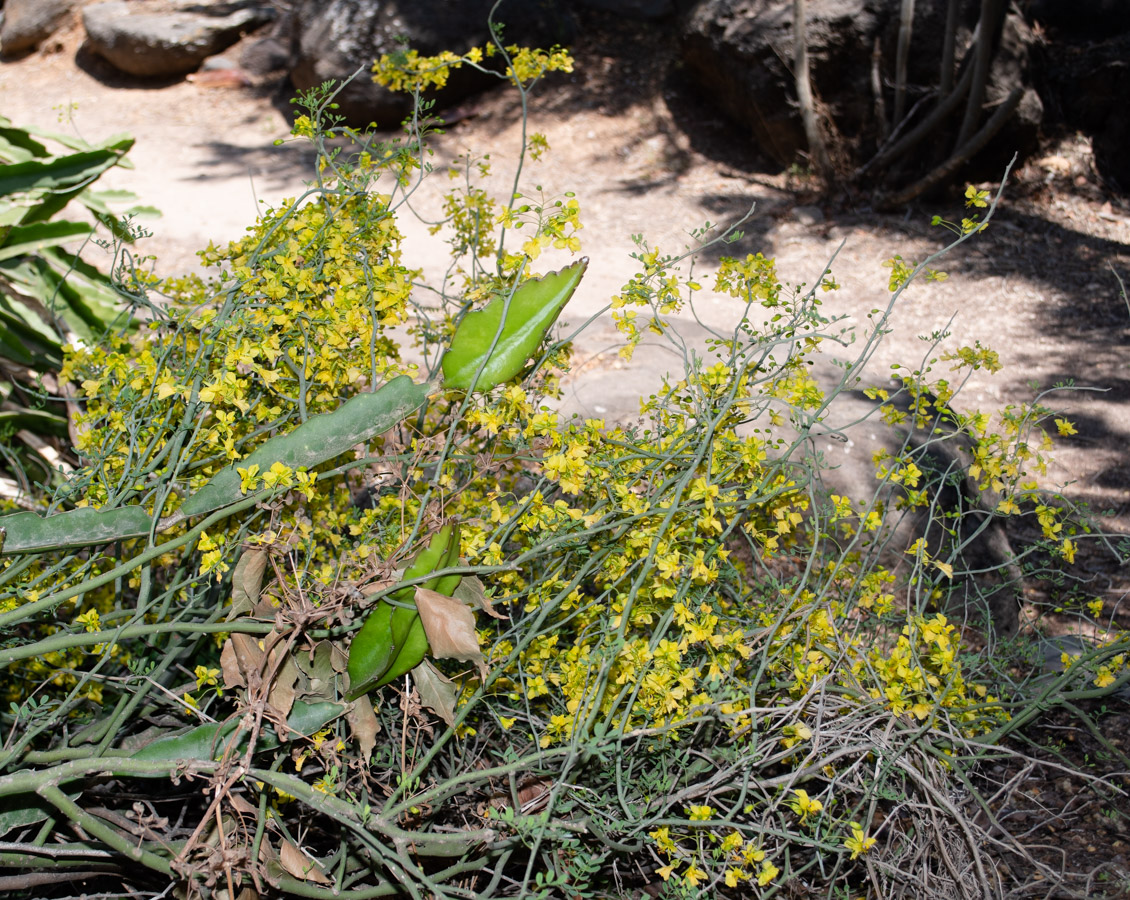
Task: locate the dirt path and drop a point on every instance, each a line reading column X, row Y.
column 644, row 156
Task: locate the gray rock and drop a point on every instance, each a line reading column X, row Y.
column 808, row 215
column 270, row 51
column 218, row 63
column 264, row 56
column 28, row 22
column 162, row 44
column 335, row 38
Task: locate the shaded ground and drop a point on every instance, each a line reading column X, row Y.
column 647, row 155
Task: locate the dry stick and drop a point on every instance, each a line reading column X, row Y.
column 958, row 159
column 924, row 128
column 817, row 151
column 877, row 90
column 949, row 46
column 902, row 52
column 992, row 15
column 36, row 879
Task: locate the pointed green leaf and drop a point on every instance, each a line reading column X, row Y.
column 37, row 421
column 21, row 810
column 17, row 143
column 61, row 172
column 24, row 239
column 530, row 312
column 370, row 651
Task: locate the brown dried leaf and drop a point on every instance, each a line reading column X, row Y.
column 247, row 581
column 472, row 592
column 450, row 627
column 339, row 659
column 240, row 660
column 281, row 695
column 299, row 864
column 229, row 665
column 437, row 691
column 363, row 722
column 241, row 805
column 376, row 586
column 317, row 666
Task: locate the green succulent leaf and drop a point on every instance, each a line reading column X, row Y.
column 392, row 641
column 530, row 312
column 209, row 741
column 317, row 440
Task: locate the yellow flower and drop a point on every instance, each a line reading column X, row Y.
column 700, row 813
column 974, row 197
column 89, row 620
column 663, row 840
column 803, row 805
column 694, row 875
column 859, row 842
column 248, row 478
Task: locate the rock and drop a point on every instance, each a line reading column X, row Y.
column 335, row 38
column 28, row 22
column 808, row 215
column 741, row 52
column 264, row 56
column 271, row 51
column 213, row 63
column 154, row 44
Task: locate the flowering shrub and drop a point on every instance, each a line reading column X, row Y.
column 415, row 632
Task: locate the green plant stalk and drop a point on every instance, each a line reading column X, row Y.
column 102, row 831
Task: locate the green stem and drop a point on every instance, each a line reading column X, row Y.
column 97, row 827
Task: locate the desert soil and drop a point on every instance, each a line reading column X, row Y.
column 646, row 155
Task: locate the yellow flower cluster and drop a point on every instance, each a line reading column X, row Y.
column 407, row 70
column 744, row 860
column 296, row 323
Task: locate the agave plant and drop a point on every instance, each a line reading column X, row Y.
column 48, row 294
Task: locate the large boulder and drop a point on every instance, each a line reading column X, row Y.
column 28, row 22
column 333, row 39
column 164, row 39
column 741, row 52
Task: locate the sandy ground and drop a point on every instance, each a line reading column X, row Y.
column 1038, row 286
